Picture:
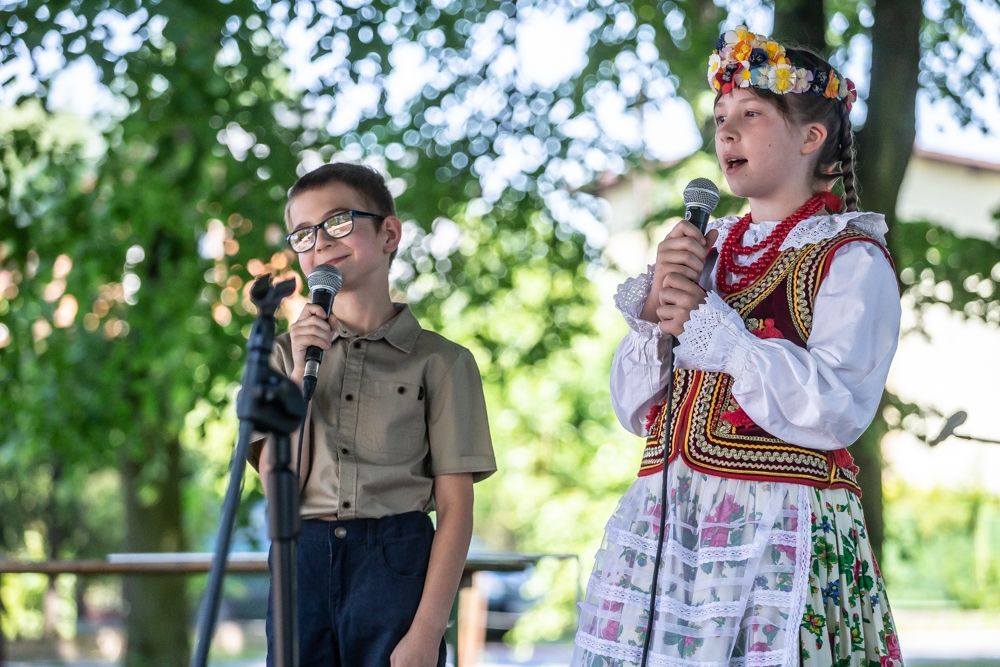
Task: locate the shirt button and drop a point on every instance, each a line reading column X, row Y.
column 357, row 345
column 340, row 532
column 346, row 504
column 345, row 450
column 402, row 390
column 349, row 397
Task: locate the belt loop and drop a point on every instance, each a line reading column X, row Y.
column 371, row 527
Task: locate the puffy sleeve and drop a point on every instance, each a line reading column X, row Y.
column 642, row 362
column 822, row 396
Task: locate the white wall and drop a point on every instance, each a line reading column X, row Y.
column 958, row 366
column 963, row 194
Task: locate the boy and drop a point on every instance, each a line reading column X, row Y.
column 397, row 427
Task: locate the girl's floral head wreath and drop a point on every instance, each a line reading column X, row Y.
column 743, row 59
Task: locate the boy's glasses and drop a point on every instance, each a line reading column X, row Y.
column 337, row 226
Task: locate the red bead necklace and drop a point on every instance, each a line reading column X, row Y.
column 733, row 245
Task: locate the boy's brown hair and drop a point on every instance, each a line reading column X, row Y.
column 364, row 180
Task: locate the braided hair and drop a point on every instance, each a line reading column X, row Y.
column 847, row 176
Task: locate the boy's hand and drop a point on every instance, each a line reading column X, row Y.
column 680, row 259
column 312, row 328
column 416, row 649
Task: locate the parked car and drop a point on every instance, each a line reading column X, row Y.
column 505, row 600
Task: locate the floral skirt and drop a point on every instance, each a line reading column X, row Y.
column 753, row 573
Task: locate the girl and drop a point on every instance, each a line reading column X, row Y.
column 746, row 490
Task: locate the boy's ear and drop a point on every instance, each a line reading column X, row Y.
column 814, row 138
column 392, row 233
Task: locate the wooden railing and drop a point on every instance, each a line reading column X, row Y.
column 465, row 634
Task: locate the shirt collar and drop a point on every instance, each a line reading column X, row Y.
column 401, row 331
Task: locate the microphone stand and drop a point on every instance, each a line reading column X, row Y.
column 270, row 403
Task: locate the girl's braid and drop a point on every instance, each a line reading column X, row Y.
column 847, row 159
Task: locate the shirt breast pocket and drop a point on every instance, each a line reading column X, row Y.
column 391, row 423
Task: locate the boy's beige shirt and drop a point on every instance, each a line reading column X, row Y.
column 391, row 410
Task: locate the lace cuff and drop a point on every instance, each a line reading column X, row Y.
column 714, row 339
column 629, row 300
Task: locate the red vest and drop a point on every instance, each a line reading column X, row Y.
column 710, row 430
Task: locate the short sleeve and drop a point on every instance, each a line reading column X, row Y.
column 457, row 427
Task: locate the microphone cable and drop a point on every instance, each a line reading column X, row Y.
column 701, row 196
column 657, row 560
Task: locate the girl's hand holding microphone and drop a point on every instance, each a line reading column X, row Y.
column 680, row 259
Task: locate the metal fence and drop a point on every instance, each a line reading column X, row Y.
column 465, row 634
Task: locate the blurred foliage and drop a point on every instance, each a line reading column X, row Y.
column 941, row 546
column 131, row 228
column 937, row 266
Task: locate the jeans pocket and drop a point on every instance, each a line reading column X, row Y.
column 406, row 557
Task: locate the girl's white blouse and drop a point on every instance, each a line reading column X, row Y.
column 822, row 396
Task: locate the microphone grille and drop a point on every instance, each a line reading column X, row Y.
column 325, row 277
column 701, row 193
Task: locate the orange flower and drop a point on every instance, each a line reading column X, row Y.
column 832, row 86
column 741, row 50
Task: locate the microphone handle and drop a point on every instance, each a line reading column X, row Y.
column 314, row 355
column 310, row 374
column 698, row 217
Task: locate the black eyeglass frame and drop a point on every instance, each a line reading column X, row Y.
column 314, row 229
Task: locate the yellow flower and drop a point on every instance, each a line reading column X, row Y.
column 781, row 79
column 741, row 50
column 714, row 63
column 742, row 78
column 742, row 34
column 774, row 51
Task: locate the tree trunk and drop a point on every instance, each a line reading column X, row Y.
column 884, row 147
column 883, row 150
column 886, row 141
column 800, row 23
column 156, row 611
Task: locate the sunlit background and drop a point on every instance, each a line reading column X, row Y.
column 537, row 152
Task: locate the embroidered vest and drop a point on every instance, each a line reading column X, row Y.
column 709, row 429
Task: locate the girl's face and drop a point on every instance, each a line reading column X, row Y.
column 764, row 155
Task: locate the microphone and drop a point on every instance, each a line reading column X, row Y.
column 701, row 196
column 324, row 283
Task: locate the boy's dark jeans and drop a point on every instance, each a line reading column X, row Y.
column 359, row 583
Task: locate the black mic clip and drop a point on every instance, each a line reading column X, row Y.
column 268, row 399
column 266, row 296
